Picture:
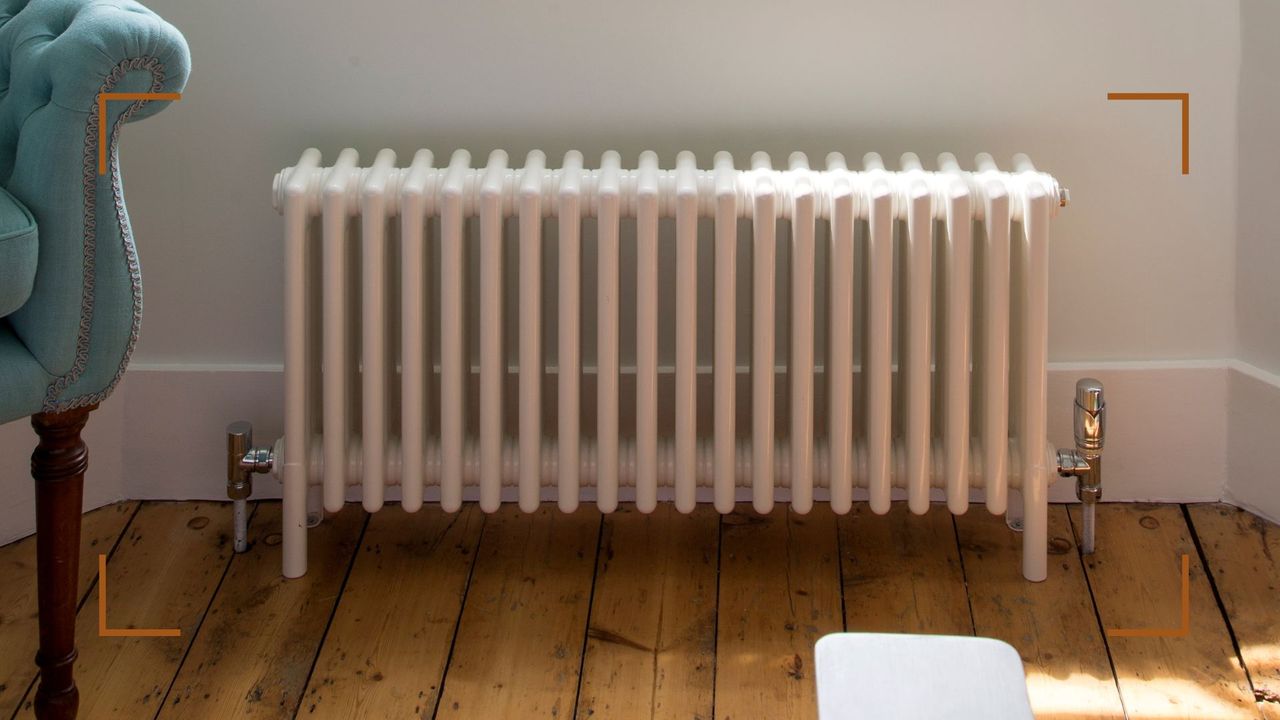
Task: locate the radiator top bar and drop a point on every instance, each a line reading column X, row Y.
column 422, row 178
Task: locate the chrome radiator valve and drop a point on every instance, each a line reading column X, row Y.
column 243, row 460
column 1084, row 463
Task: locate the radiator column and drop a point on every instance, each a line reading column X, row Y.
column 725, row 372
column 878, row 347
column 414, row 311
column 840, row 338
column 764, row 224
column 915, row 380
column 995, row 333
column 608, row 193
column 686, row 407
column 300, row 373
column 647, row 333
column 953, row 366
column 453, row 347
column 531, row 330
column 568, row 361
column 373, row 338
column 492, row 363
column 1035, row 344
column 338, row 374
column 800, row 366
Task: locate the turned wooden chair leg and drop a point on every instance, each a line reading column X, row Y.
column 58, row 466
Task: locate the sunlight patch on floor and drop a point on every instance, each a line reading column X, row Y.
column 1183, row 698
column 1074, row 695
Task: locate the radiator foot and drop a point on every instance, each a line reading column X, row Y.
column 1013, row 515
column 315, row 506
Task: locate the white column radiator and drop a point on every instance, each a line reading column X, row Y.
column 802, row 334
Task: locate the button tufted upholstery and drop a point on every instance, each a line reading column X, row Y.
column 81, row 319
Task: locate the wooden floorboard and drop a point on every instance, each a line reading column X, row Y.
column 162, row 575
column 385, row 654
column 1136, row 580
column 651, row 638
column 1052, row 624
column 1244, row 552
column 99, row 532
column 902, row 572
column 662, row 615
column 256, row 646
column 520, row 640
column 779, row 593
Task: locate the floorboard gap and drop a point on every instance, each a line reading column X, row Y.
column 462, row 607
column 111, row 551
column 1217, row 598
column 844, row 612
column 964, row 576
column 586, row 631
column 196, row 633
column 1097, row 616
column 342, row 588
column 715, row 631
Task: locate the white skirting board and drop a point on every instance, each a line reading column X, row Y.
column 1253, row 399
column 1169, row 437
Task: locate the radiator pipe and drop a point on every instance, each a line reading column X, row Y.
column 548, row 472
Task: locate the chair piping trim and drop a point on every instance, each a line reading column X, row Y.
column 52, row 402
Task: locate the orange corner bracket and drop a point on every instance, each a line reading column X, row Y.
column 104, row 631
column 1185, row 99
column 1182, row 630
column 102, row 115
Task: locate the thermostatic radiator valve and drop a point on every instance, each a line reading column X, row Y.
column 1084, row 463
column 243, row 460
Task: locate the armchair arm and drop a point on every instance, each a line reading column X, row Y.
column 83, row 315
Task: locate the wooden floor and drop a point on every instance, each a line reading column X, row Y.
column 577, row 616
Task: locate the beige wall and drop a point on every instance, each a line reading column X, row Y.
column 1258, row 253
column 1143, row 260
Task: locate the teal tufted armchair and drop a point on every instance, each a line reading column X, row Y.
column 70, row 283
